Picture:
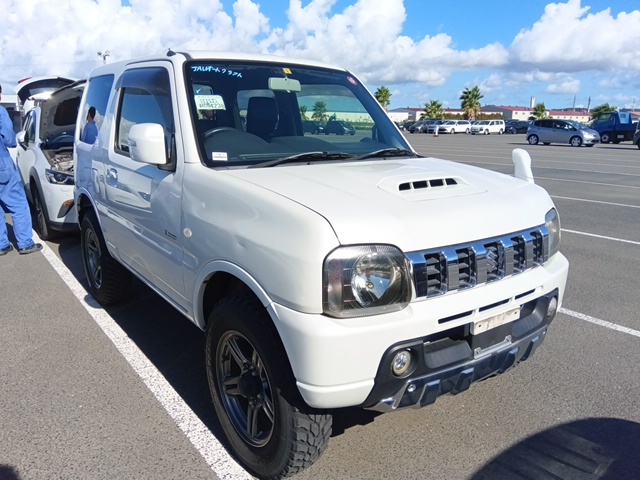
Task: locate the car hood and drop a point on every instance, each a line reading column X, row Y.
column 60, row 111
column 412, row 203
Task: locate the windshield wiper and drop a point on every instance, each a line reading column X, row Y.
column 388, row 152
column 303, row 157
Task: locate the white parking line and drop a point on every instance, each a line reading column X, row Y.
column 597, row 321
column 198, row 434
column 632, row 242
column 596, row 201
column 588, row 183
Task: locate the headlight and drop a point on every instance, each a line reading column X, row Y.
column 552, row 222
column 59, row 178
column 365, row 280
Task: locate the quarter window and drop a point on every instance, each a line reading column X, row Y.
column 98, row 90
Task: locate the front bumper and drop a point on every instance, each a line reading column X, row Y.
column 337, row 362
column 451, row 361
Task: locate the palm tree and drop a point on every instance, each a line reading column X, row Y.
column 319, row 111
column 433, row 109
column 471, row 102
column 383, row 95
column 600, row 109
column 539, row 112
column 303, row 112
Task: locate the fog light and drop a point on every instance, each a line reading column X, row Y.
column 401, row 362
column 552, row 309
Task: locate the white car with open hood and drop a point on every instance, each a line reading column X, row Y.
column 327, row 272
column 44, row 157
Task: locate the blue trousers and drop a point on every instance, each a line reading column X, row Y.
column 14, row 201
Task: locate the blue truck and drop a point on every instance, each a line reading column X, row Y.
column 615, row 127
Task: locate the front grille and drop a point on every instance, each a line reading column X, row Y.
column 461, row 267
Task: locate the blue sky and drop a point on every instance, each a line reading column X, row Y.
column 421, row 50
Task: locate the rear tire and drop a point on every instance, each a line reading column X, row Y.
column 638, row 143
column 109, row 282
column 269, row 428
column 533, row 139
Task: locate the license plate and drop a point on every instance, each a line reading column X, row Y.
column 482, row 326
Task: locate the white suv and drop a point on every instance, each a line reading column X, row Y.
column 327, row 272
column 44, row 157
column 488, row 126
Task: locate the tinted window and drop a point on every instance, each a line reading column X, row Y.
column 144, row 98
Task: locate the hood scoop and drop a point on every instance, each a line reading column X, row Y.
column 427, row 187
column 433, row 183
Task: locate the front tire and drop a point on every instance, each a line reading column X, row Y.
column 533, row 139
column 605, row 137
column 109, row 282
column 45, row 232
column 638, row 143
column 267, row 425
column 575, row 141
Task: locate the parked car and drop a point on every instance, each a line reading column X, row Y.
column 487, row 127
column 311, row 126
column 561, row 131
column 418, row 127
column 44, row 158
column 326, row 273
column 455, row 126
column 339, row 127
column 517, row 127
column 636, row 136
column 430, row 125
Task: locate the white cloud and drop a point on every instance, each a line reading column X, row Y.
column 39, row 37
column 568, row 85
column 569, row 39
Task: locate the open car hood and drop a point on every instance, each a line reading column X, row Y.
column 58, row 115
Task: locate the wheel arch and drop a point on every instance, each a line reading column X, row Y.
column 219, row 279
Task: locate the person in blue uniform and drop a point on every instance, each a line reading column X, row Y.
column 90, row 132
column 12, row 197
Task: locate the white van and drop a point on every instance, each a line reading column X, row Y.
column 488, row 126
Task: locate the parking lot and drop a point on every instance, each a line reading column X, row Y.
column 572, row 410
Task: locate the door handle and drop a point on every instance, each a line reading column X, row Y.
column 112, row 176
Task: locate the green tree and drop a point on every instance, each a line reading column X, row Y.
column 383, row 95
column 433, row 109
column 470, row 102
column 605, row 107
column 319, row 112
column 539, row 112
column 303, row 112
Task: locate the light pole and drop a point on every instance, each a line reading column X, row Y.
column 104, row 56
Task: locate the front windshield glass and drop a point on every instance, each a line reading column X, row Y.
column 578, row 125
column 247, row 113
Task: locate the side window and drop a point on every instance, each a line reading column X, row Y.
column 546, row 123
column 144, row 98
column 31, row 132
column 28, row 133
column 98, row 91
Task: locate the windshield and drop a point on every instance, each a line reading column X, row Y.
column 247, row 113
column 578, row 125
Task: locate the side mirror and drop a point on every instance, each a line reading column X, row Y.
column 20, row 136
column 147, row 144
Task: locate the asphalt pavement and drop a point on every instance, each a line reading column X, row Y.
column 75, row 405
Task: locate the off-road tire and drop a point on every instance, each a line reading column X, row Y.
column 250, row 376
column 109, row 282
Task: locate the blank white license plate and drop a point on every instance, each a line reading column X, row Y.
column 482, row 326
